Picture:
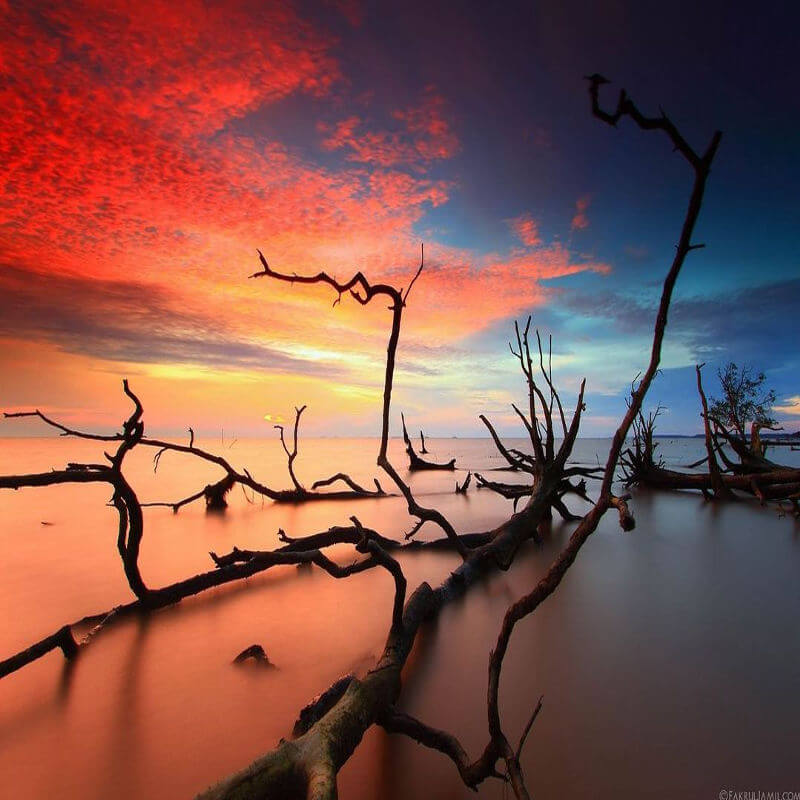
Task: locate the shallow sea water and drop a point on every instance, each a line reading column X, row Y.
column 669, row 658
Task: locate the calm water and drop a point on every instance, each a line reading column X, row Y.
column 669, row 658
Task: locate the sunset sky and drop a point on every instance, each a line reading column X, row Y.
column 147, row 149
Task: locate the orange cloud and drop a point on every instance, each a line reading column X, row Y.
column 459, row 294
column 527, row 229
column 790, row 406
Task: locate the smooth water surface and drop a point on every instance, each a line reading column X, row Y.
column 669, row 658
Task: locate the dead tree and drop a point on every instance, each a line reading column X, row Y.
column 539, row 422
column 124, row 499
column 754, row 476
column 422, row 449
column 363, row 292
column 720, row 490
column 215, row 494
column 307, row 765
column 417, row 464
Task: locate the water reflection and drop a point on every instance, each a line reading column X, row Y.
column 670, row 651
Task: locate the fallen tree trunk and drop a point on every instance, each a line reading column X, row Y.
column 215, row 494
column 415, row 462
column 778, row 484
column 769, row 482
column 307, row 766
column 237, row 565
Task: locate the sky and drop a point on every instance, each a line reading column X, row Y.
column 148, row 149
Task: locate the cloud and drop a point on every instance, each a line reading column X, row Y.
column 135, row 189
column 464, row 294
column 636, row 252
column 580, row 221
column 790, row 406
column 421, row 134
column 129, row 321
column 527, row 229
column 725, row 326
column 351, row 10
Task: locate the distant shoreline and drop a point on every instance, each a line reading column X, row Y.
column 772, row 440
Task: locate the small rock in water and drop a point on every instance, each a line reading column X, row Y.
column 256, row 654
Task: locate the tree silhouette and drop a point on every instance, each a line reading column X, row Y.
column 745, row 400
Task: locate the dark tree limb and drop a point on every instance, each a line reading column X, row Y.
column 215, row 494
column 62, row 638
column 291, row 455
column 363, row 292
column 511, row 491
column 472, row 772
column 717, row 484
column 350, row 535
column 355, row 487
column 547, row 585
column 417, row 464
column 377, row 557
column 130, row 528
column 515, row 461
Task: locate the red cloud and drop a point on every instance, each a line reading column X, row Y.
column 580, row 221
column 424, row 135
column 527, row 229
column 121, row 166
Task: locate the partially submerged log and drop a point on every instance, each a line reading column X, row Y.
column 418, row 464
column 215, row 494
column 422, row 449
column 255, row 654
column 752, row 475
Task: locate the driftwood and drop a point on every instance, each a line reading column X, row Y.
column 540, row 432
column 124, row 499
column 415, row 462
column 233, row 566
column 214, row 494
column 462, row 488
column 363, row 292
column 255, row 654
column 752, row 475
